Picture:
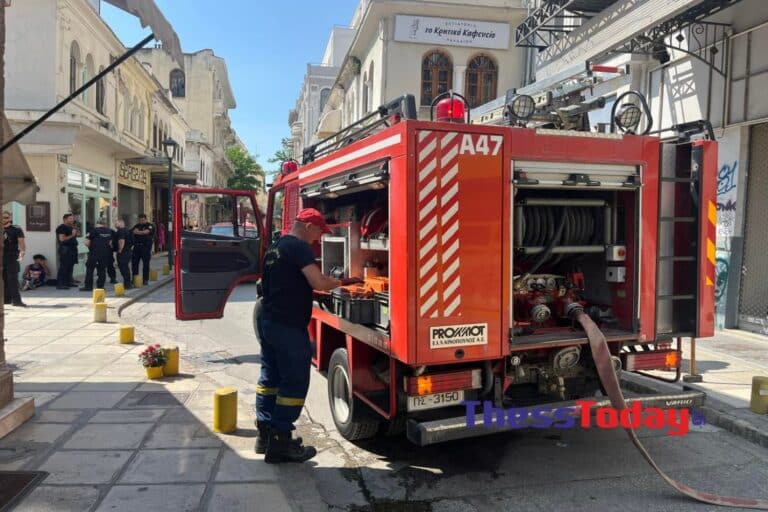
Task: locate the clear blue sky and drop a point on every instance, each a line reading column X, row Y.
column 267, row 45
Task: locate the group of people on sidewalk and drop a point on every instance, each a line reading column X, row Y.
column 132, row 247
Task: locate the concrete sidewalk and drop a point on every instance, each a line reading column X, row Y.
column 727, row 362
column 109, row 438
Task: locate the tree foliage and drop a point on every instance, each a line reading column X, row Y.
column 245, row 169
column 281, row 155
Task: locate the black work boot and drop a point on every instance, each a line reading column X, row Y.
column 263, row 436
column 280, row 448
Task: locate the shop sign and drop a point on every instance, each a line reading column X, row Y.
column 131, row 174
column 445, row 31
column 39, row 216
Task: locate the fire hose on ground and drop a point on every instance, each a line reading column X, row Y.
column 610, row 381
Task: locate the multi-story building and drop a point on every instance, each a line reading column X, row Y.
column 316, row 89
column 204, row 97
column 693, row 60
column 90, row 158
column 425, row 48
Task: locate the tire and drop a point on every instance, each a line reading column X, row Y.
column 393, row 428
column 353, row 419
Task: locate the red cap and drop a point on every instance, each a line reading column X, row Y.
column 312, row 216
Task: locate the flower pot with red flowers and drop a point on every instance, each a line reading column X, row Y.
column 153, row 359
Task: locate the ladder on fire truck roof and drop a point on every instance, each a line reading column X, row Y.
column 387, row 114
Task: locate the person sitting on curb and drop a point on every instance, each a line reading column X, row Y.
column 36, row 273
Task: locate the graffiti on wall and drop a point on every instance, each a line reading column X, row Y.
column 727, row 190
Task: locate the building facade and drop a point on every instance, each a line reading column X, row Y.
column 425, row 48
column 692, row 60
column 204, row 96
column 89, row 158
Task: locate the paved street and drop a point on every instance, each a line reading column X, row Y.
column 587, row 470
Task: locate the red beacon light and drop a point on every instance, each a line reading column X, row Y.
column 290, row 166
column 450, row 107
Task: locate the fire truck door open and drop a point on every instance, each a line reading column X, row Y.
column 217, row 239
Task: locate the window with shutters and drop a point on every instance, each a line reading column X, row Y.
column 436, row 75
column 178, row 83
column 481, row 78
column 74, row 66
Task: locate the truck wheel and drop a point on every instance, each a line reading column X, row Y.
column 352, row 418
column 395, row 427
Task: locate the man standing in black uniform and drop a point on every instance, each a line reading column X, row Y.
column 122, row 243
column 66, row 237
column 14, row 247
column 99, row 242
column 290, row 275
column 143, row 234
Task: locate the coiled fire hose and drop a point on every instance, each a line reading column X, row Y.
column 610, row 381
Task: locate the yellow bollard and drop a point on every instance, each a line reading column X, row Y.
column 119, row 290
column 100, row 312
column 171, row 366
column 126, row 334
column 138, row 281
column 153, row 275
column 225, row 410
column 166, row 269
column 99, row 295
column 759, row 402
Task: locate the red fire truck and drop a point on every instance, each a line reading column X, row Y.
column 479, row 246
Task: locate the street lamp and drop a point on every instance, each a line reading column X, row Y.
column 170, row 146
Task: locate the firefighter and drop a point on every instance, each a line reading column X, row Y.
column 14, row 247
column 143, row 234
column 122, row 243
column 290, row 274
column 99, row 243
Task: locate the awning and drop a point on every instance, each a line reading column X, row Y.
column 19, row 183
column 149, row 14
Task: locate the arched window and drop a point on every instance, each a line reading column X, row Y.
column 101, row 95
column 74, row 66
column 154, row 132
column 364, row 98
column 178, row 83
column 369, row 107
column 87, row 75
column 141, row 122
column 482, row 75
column 436, row 75
column 324, row 94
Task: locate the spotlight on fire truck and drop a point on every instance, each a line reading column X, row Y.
column 452, row 107
column 628, row 117
column 522, row 107
column 289, row 167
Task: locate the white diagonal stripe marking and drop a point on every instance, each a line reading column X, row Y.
column 428, row 304
column 450, row 194
column 450, row 213
column 427, row 208
column 429, row 227
column 451, row 231
column 429, row 188
column 448, row 176
column 454, row 305
column 424, row 134
column 429, row 246
column 450, row 155
column 451, row 270
column 452, row 288
column 429, row 148
column 424, row 173
column 427, row 266
column 451, row 250
column 432, row 281
column 449, row 137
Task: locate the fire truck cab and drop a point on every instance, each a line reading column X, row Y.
column 478, row 246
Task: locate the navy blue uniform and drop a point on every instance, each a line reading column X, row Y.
column 142, row 249
column 11, row 236
column 67, row 256
column 124, row 256
column 99, row 256
column 282, row 323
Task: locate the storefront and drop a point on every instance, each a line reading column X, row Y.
column 132, row 192
column 89, row 198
